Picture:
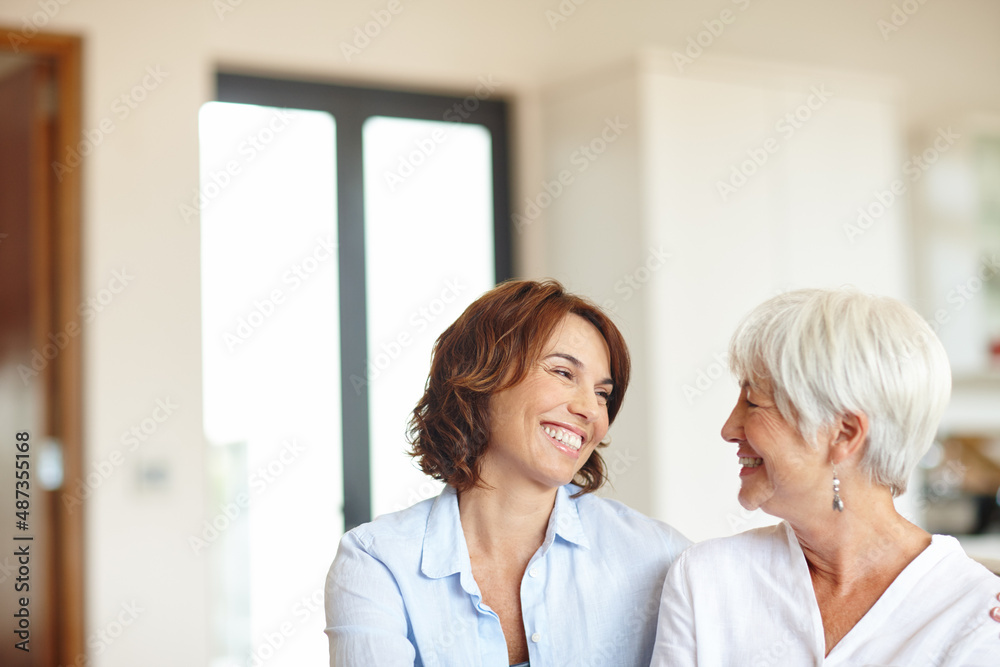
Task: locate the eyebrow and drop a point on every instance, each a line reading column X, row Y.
column 579, row 364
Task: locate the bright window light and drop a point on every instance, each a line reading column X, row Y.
column 271, row 348
column 429, row 254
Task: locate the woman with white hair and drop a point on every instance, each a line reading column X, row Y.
column 840, row 396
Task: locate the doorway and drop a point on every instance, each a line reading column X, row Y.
column 41, row 536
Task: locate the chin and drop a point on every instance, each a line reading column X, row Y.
column 748, row 502
column 561, row 480
column 550, row 478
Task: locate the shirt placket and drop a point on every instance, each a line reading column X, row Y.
column 535, row 612
column 492, row 646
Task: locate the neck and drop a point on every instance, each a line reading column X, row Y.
column 869, row 539
column 500, row 520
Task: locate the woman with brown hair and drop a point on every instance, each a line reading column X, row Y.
column 516, row 560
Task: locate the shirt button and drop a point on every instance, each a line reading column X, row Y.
column 536, row 637
column 533, row 572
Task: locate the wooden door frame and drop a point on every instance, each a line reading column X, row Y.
column 64, row 418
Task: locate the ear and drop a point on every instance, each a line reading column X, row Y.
column 850, row 433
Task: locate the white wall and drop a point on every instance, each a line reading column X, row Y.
column 145, row 345
column 593, row 234
column 783, row 229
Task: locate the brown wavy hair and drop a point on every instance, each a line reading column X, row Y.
column 489, row 348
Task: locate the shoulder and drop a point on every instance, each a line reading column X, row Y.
column 959, row 567
column 391, row 534
column 616, row 520
column 770, row 543
column 950, row 595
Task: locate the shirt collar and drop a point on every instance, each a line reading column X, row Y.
column 445, row 551
column 565, row 520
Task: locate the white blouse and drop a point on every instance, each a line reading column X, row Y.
column 748, row 600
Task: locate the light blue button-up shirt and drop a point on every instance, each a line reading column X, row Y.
column 401, row 590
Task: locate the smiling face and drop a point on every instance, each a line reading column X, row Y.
column 543, row 429
column 780, row 472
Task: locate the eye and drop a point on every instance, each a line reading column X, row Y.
column 605, row 395
column 563, row 372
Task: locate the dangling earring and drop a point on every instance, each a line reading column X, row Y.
column 838, row 504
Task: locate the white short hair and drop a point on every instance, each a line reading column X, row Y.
column 830, row 352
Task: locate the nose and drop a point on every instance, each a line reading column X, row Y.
column 732, row 430
column 585, row 404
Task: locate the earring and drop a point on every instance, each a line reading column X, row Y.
column 838, row 504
